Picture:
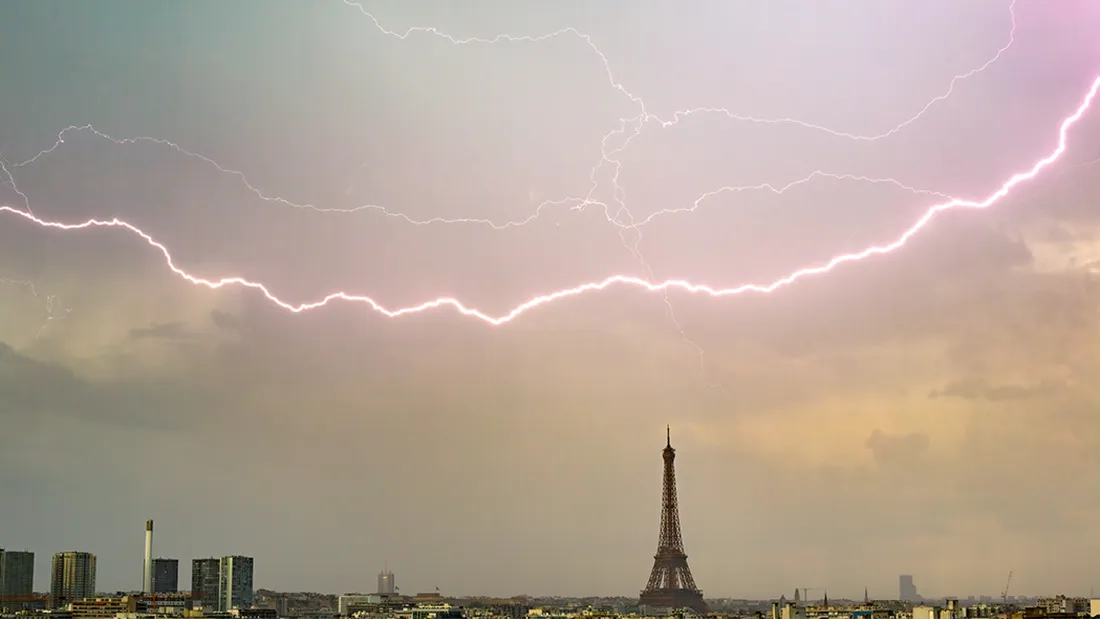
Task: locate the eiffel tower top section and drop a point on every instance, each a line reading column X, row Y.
column 670, row 538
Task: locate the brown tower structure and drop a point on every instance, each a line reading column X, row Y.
column 670, row 583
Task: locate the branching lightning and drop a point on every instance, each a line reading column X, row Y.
column 617, row 213
column 622, row 280
column 574, row 202
column 647, row 117
column 635, row 124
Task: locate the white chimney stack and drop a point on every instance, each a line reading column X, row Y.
column 147, row 574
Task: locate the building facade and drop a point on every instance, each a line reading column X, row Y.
column 16, row 580
column 235, row 582
column 386, row 583
column 16, row 572
column 205, row 582
column 103, row 607
column 72, row 577
column 166, row 576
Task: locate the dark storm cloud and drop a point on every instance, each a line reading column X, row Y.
column 31, row 389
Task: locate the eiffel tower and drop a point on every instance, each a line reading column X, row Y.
column 670, row 583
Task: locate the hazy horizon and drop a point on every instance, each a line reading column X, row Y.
column 928, row 412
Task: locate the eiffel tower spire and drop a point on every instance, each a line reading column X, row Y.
column 670, row 583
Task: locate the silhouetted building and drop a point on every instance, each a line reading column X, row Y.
column 235, row 582
column 907, row 591
column 205, row 576
column 166, row 575
column 670, row 582
column 16, row 572
column 72, row 577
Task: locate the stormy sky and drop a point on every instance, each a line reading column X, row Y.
column 931, row 411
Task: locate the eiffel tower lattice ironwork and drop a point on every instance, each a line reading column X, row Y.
column 670, row 583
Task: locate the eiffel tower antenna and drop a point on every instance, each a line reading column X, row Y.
column 670, row 583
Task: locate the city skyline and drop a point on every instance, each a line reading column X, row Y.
column 895, row 416
column 69, row 566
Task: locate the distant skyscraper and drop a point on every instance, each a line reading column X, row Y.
column 204, row 582
column 72, row 577
column 235, row 583
column 16, row 573
column 166, row 575
column 907, row 591
column 386, row 583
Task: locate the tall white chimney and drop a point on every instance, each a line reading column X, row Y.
column 147, row 573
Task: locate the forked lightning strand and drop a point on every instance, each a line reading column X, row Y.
column 923, row 221
column 575, row 203
column 648, row 117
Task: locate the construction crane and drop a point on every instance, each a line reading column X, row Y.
column 1004, row 594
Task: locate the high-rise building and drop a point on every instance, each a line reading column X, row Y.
column 907, row 591
column 235, row 583
column 205, row 582
column 166, row 575
column 72, row 577
column 386, row 583
column 16, row 576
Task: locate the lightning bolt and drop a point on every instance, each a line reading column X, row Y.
column 50, row 303
column 606, row 155
column 614, row 280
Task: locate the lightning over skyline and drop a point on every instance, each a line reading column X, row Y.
column 453, row 269
column 618, row 194
column 592, row 286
